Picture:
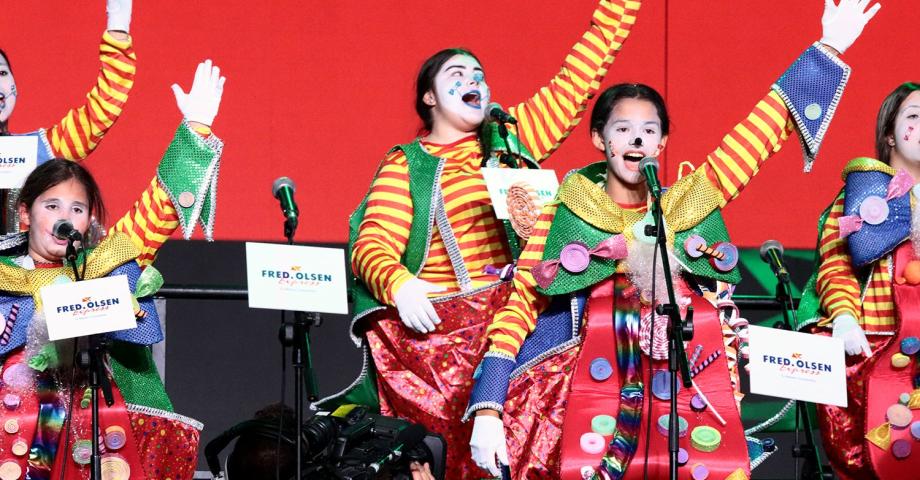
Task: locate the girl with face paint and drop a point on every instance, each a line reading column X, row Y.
column 426, row 246
column 141, row 436
column 866, row 286
column 70, row 138
column 575, row 365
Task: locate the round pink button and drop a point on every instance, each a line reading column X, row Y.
column 592, row 443
column 574, row 257
column 873, row 210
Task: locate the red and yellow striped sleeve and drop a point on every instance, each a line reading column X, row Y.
column 81, row 130
column 518, row 318
column 384, row 231
column 149, row 223
column 545, row 119
column 836, row 283
column 744, row 150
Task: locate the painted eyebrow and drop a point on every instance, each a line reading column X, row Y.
column 477, row 69
column 655, row 123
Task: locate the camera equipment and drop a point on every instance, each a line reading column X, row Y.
column 348, row 444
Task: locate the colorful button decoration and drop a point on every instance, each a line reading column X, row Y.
column 728, row 254
column 900, row 449
column 10, row 470
column 17, row 375
column 114, row 437
column 661, row 385
column 910, row 345
column 699, row 472
column 11, row 401
column 899, row 360
column 11, row 425
column 915, row 430
column 115, row 467
column 873, row 210
column 600, row 369
column 768, row 444
column 574, row 257
column 899, row 416
column 20, row 447
column 695, row 245
column 904, row 398
column 592, row 443
column 682, row 457
column 603, row 424
column 697, row 404
column 186, row 199
column 705, row 438
column 82, row 452
column 664, row 425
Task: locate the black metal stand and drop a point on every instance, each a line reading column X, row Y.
column 678, row 331
column 92, row 359
column 812, row 468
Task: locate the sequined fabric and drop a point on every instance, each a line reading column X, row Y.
column 428, row 377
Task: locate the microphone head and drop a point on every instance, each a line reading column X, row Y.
column 648, row 162
column 65, row 230
column 493, row 106
column 280, row 183
column 770, row 245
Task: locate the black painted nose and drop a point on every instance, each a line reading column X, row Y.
column 637, row 142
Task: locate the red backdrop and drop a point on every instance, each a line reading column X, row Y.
column 319, row 91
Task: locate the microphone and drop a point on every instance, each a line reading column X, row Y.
column 771, row 252
column 64, row 230
column 283, row 189
column 649, row 168
column 499, row 115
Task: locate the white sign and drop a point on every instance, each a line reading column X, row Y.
column 77, row 309
column 296, row 278
column 17, row 159
column 799, row 366
column 542, row 183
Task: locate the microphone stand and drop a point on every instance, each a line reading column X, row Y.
column 678, row 331
column 296, row 334
column 812, row 468
column 92, row 359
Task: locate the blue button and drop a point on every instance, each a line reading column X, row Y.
column 601, row 369
column 910, row 345
column 661, row 385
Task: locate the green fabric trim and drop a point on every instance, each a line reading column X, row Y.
column 190, row 167
column 136, row 376
column 810, row 305
column 517, row 148
column 566, row 228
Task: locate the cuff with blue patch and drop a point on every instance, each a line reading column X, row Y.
column 811, row 89
column 491, row 379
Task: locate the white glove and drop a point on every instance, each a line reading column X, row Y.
column 201, row 103
column 845, row 22
column 119, row 15
column 415, row 310
column 487, row 441
column 854, row 339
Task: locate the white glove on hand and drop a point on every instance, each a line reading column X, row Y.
column 854, row 339
column 201, row 103
column 119, row 15
column 487, row 441
column 845, row 22
column 415, row 310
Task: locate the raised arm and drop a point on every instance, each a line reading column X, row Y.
column 184, row 192
column 82, row 128
column 803, row 98
column 545, row 119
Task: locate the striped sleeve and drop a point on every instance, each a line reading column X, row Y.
column 81, row 130
column 836, row 283
column 384, row 231
column 518, row 318
column 545, row 119
column 149, row 223
column 744, row 150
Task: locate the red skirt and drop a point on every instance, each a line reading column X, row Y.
column 427, row 378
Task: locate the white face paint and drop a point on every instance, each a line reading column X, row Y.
column 907, row 129
column 632, row 133
column 7, row 91
column 461, row 94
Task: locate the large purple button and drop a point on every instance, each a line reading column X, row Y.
column 873, row 210
column 697, row 404
column 574, row 257
column 900, row 449
column 600, row 369
column 915, row 430
column 729, row 257
column 682, row 457
column 661, row 385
